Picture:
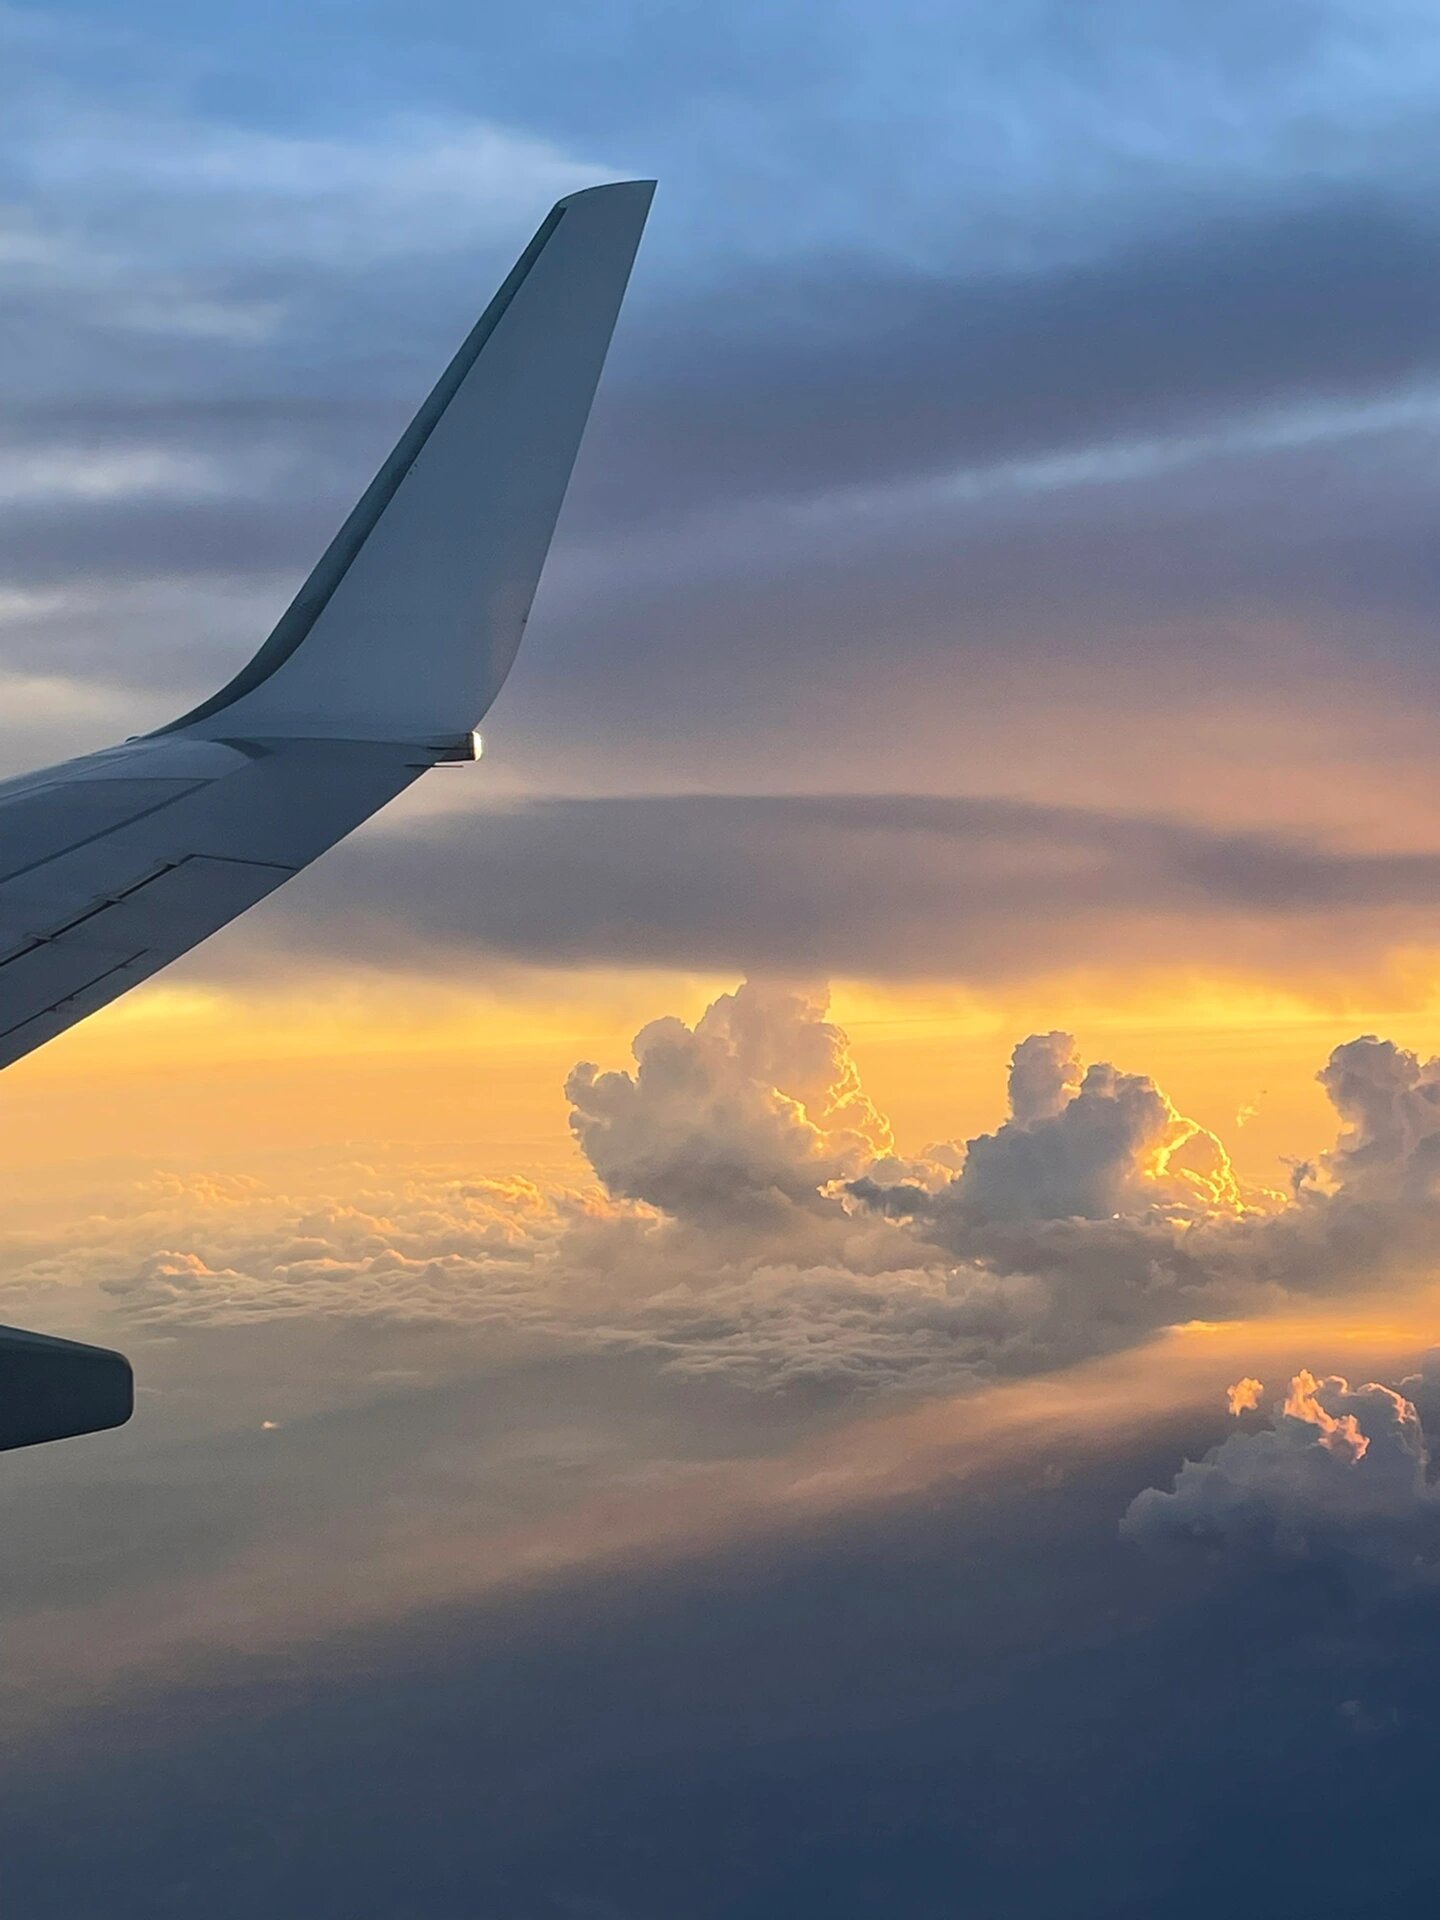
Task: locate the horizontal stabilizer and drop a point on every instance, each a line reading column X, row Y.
column 54, row 1389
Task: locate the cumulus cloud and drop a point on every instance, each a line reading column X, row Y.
column 1388, row 1101
column 1044, row 1077
column 1123, row 1215
column 1335, row 1470
column 1089, row 1145
column 1245, row 1395
column 749, row 1219
column 756, row 1109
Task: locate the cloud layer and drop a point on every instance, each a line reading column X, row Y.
column 751, row 1220
column 863, row 885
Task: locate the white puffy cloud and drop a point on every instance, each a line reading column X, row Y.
column 1122, row 1214
column 756, row 1110
column 1335, row 1470
column 1089, row 1145
column 1388, row 1101
column 1044, row 1077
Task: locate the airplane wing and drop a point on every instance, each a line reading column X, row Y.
column 115, row 864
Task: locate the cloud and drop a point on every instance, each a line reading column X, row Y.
column 872, row 377
column 1119, row 362
column 1336, row 1472
column 210, row 335
column 1089, row 1145
column 1121, row 1215
column 959, row 425
column 750, row 1221
column 406, row 184
column 874, row 885
column 1044, row 1078
column 206, row 293
column 1245, row 1395
column 758, row 1109
column 1389, row 1104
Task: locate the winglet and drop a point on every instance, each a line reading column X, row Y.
column 410, row 622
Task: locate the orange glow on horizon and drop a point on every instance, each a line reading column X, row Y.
column 190, row 1073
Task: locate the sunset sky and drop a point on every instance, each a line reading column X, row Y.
column 674, row 1279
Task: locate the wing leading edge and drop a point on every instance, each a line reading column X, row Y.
column 113, row 865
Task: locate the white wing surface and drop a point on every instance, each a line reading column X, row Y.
column 113, row 865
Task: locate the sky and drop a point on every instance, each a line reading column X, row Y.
column 812, row 1290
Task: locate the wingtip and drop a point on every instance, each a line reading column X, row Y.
column 630, row 189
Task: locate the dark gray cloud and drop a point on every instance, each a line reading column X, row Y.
column 845, row 377
column 821, row 641
column 90, row 543
column 823, row 311
column 831, row 376
column 878, row 885
column 835, row 376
